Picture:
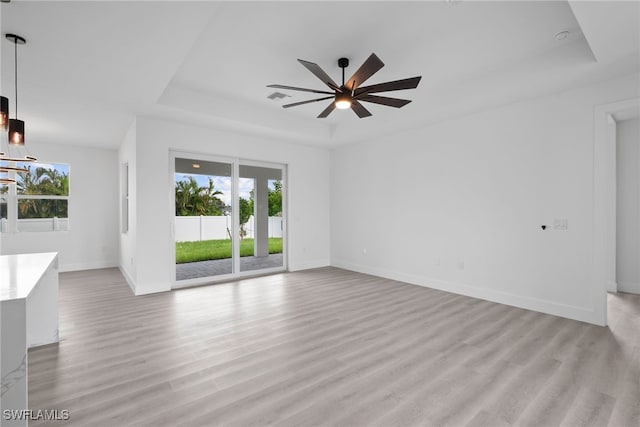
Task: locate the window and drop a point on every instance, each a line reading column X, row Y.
column 125, row 198
column 39, row 201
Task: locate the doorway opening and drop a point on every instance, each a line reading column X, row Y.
column 627, row 251
column 607, row 248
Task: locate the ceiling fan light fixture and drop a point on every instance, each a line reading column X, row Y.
column 351, row 92
column 343, row 101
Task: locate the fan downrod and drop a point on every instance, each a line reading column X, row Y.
column 343, row 63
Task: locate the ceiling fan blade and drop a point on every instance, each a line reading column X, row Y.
column 300, row 89
column 306, row 102
column 359, row 109
column 383, row 100
column 319, row 73
column 327, row 110
column 410, row 83
column 371, row 66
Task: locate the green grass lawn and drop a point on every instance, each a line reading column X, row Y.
column 219, row 249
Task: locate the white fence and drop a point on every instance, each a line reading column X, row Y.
column 38, row 224
column 194, row 228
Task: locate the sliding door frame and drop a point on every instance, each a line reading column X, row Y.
column 235, row 217
column 283, row 169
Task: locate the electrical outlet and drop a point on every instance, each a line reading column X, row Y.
column 561, row 224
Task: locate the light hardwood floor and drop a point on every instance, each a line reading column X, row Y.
column 329, row 347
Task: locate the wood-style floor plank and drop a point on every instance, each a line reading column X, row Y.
column 329, row 347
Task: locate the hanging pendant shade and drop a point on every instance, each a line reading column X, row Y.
column 4, row 114
column 16, row 132
column 4, row 118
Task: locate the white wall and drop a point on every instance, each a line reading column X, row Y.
column 628, row 206
column 93, row 191
column 308, row 194
column 482, row 186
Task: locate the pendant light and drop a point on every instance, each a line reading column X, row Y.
column 15, row 150
column 4, row 114
column 16, row 127
column 4, row 117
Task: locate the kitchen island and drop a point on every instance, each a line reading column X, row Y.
column 28, row 318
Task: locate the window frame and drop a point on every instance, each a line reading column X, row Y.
column 12, row 223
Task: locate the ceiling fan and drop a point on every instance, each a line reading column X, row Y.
column 351, row 93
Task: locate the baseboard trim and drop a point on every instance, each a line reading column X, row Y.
column 150, row 289
column 87, row 266
column 307, row 265
column 629, row 287
column 529, row 303
column 128, row 279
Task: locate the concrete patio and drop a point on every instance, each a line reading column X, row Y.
column 195, row 270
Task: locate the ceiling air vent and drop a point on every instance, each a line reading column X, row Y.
column 277, row 95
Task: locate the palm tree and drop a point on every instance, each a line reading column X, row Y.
column 191, row 199
column 53, row 182
column 184, row 192
column 45, row 182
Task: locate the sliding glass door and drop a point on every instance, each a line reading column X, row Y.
column 260, row 218
column 203, row 218
column 228, row 218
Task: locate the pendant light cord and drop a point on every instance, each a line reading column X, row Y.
column 15, row 42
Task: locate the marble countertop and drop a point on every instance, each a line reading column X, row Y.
column 19, row 274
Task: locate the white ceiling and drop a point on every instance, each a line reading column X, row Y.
column 90, row 67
